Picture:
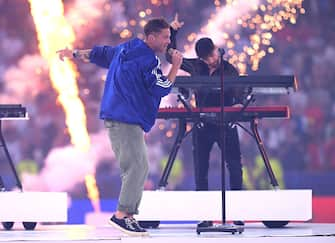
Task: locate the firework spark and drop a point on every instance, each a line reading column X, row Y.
column 258, row 18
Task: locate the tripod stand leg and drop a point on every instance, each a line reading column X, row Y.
column 264, row 155
column 167, row 170
column 2, row 185
column 3, row 144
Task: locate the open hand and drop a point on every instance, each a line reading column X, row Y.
column 65, row 53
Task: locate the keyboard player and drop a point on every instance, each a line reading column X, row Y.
column 209, row 63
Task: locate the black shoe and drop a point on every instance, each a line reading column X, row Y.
column 138, row 226
column 128, row 226
column 205, row 224
column 238, row 223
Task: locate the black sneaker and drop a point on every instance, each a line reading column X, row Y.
column 138, row 226
column 128, row 225
column 205, row 224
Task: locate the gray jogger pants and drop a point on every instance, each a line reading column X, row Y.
column 131, row 152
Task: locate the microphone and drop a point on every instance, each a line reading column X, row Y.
column 170, row 51
column 221, row 51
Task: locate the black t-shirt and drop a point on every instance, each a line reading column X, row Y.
column 197, row 67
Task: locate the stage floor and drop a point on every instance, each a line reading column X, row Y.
column 169, row 233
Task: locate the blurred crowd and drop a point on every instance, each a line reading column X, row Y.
column 305, row 142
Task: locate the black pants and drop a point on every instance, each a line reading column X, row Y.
column 203, row 141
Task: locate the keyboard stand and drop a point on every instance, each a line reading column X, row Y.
column 27, row 207
column 181, row 135
column 261, row 148
column 172, row 156
column 9, row 159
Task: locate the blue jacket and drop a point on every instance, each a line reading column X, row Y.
column 134, row 84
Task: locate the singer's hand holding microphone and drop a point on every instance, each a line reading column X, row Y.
column 176, row 61
column 176, row 57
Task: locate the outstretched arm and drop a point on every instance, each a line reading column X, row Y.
column 83, row 55
column 99, row 55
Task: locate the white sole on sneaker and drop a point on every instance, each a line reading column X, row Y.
column 128, row 232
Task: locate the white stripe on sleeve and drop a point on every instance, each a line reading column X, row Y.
column 161, row 81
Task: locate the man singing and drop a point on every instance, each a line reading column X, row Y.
column 133, row 90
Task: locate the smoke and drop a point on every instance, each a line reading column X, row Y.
column 226, row 16
column 67, row 166
column 89, row 18
column 25, row 80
